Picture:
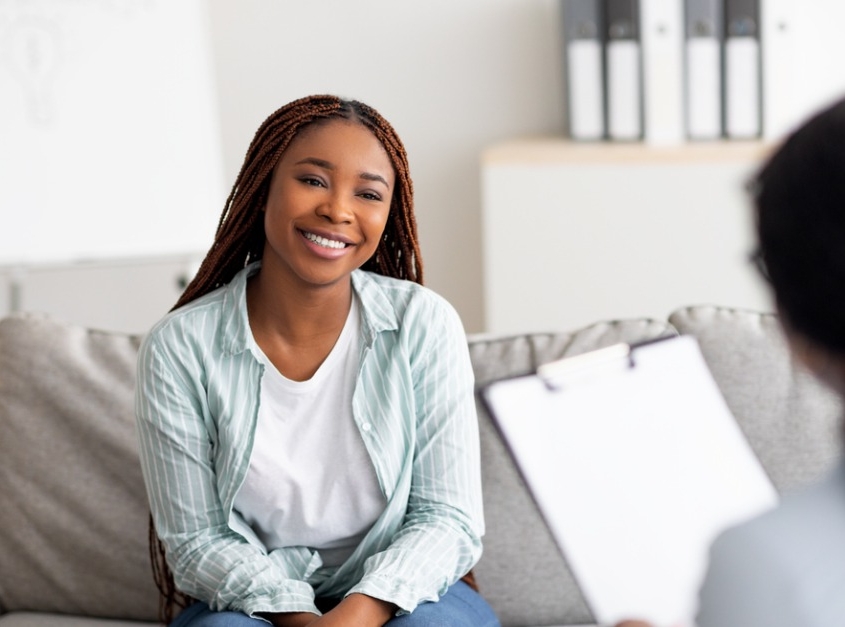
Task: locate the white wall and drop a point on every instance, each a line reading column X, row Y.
column 452, row 76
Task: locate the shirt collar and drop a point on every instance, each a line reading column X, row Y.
column 234, row 321
column 378, row 313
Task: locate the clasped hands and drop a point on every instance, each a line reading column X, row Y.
column 356, row 610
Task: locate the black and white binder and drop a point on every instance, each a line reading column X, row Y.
column 584, row 66
column 743, row 111
column 624, row 70
column 703, row 68
column 636, row 464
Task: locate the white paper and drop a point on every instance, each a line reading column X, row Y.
column 635, row 472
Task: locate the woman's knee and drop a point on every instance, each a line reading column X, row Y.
column 199, row 615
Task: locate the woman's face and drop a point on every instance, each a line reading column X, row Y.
column 328, row 203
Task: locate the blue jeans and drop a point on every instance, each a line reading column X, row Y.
column 461, row 606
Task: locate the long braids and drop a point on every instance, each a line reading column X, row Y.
column 239, row 238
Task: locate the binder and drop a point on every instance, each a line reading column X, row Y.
column 636, row 464
column 662, row 34
column 584, row 63
column 624, row 92
column 703, row 61
column 742, row 69
column 780, row 87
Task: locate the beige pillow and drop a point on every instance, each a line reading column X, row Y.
column 74, row 510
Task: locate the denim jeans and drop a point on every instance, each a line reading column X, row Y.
column 461, row 606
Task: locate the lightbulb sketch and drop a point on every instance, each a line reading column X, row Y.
column 34, row 54
column 109, row 137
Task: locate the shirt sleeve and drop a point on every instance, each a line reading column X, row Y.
column 177, row 437
column 440, row 538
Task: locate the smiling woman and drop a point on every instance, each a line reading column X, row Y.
column 306, row 412
column 327, row 207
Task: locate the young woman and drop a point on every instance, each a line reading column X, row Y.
column 306, row 413
column 785, row 568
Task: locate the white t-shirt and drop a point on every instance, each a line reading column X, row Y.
column 311, row 481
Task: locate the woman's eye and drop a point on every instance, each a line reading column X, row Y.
column 370, row 196
column 310, row 180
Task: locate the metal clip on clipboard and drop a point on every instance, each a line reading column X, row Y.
column 566, row 371
column 571, row 370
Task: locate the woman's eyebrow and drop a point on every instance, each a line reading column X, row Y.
column 327, row 165
column 320, row 163
column 367, row 176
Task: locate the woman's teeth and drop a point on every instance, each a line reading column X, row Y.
column 322, row 241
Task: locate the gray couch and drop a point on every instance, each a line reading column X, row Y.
column 73, row 545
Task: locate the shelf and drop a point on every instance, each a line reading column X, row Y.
column 548, row 150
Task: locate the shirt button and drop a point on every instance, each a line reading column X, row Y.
column 366, row 426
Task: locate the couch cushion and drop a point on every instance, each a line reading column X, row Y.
column 521, row 572
column 790, row 420
column 74, row 514
column 33, row 619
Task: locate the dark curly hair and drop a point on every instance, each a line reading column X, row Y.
column 799, row 198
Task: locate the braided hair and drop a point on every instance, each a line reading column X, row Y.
column 240, row 232
column 240, row 237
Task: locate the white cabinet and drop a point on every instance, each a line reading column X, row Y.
column 127, row 296
column 577, row 233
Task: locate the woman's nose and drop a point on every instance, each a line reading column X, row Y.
column 337, row 208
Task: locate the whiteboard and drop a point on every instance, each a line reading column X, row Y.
column 109, row 136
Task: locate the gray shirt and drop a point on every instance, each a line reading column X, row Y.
column 785, row 568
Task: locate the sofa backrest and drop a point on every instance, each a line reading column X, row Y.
column 74, row 514
column 791, row 421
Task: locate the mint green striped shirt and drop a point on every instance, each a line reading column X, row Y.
column 197, row 406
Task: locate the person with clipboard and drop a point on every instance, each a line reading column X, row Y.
column 786, row 567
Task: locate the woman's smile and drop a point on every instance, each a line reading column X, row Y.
column 325, row 247
column 327, row 242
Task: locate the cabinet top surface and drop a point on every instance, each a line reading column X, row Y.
column 544, row 150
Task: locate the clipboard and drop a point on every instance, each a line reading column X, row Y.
column 635, row 463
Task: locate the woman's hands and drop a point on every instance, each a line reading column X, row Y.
column 290, row 619
column 356, row 610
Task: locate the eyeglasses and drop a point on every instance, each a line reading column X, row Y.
column 759, row 262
